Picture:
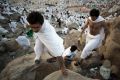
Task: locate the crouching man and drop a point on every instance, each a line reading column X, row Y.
column 69, row 54
column 46, row 38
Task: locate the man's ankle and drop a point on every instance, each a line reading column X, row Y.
column 79, row 62
column 37, row 61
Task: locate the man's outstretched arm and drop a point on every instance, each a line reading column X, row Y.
column 62, row 66
column 85, row 25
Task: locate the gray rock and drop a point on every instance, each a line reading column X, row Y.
column 71, row 76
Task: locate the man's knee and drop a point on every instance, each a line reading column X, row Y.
column 35, row 49
column 83, row 56
column 85, row 53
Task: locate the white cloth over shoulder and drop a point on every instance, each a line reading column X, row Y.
column 47, row 37
column 102, row 34
column 100, row 18
column 92, row 41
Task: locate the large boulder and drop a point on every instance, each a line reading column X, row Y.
column 15, row 68
column 72, row 38
column 111, row 49
column 9, row 50
column 23, row 68
column 10, row 45
column 57, row 75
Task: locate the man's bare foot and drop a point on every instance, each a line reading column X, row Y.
column 77, row 63
column 64, row 72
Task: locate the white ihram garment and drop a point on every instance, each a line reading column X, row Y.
column 48, row 39
column 68, row 52
column 92, row 42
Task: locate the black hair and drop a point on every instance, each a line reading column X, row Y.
column 94, row 12
column 35, row 17
column 73, row 48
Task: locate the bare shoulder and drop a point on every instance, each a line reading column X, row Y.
column 101, row 23
column 87, row 21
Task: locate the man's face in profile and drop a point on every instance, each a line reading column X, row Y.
column 93, row 18
column 36, row 27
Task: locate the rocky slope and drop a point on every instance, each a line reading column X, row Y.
column 111, row 49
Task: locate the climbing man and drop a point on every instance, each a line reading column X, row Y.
column 96, row 34
column 46, row 38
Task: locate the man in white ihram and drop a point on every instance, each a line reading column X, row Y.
column 96, row 34
column 46, row 38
